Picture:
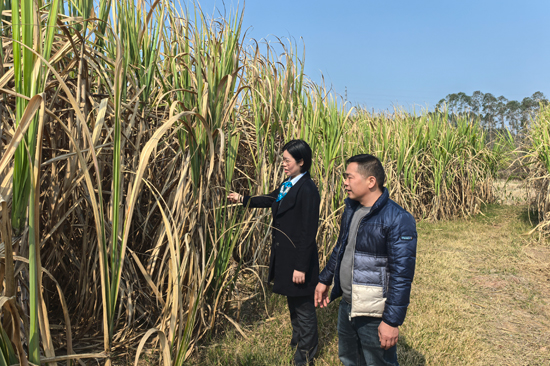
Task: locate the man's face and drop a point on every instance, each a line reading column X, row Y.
column 356, row 185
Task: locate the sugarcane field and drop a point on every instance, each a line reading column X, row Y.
column 142, row 144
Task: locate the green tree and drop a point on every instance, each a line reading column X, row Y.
column 494, row 113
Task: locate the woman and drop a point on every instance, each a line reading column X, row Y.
column 294, row 264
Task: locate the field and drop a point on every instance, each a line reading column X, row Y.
column 123, row 127
column 480, row 297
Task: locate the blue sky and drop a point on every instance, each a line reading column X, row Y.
column 412, row 53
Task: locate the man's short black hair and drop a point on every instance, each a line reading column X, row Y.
column 369, row 165
column 300, row 150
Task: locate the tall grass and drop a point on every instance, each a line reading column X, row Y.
column 435, row 169
column 150, row 114
column 29, row 80
column 537, row 160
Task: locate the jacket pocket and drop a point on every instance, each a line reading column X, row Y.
column 367, row 301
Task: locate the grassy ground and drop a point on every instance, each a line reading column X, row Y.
column 480, row 297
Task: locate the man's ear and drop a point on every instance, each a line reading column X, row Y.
column 371, row 181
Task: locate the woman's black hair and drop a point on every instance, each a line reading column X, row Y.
column 300, row 150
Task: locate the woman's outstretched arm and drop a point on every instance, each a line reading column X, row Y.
column 265, row 200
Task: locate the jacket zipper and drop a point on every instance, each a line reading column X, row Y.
column 353, row 260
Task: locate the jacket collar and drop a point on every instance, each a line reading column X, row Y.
column 288, row 201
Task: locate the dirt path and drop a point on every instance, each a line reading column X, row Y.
column 482, row 289
column 513, row 283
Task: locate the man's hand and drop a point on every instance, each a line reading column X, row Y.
column 299, row 277
column 388, row 335
column 321, row 295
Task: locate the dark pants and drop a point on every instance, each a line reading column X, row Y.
column 304, row 328
column 358, row 340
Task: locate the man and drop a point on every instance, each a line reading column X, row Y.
column 372, row 266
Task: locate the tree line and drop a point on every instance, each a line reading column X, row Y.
column 495, row 113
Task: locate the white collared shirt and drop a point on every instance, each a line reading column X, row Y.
column 297, row 178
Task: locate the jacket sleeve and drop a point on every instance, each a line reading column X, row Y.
column 401, row 262
column 327, row 275
column 309, row 216
column 261, row 201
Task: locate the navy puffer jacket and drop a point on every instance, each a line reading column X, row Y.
column 383, row 263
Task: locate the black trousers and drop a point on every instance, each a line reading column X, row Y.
column 304, row 328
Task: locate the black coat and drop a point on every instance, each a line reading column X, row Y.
column 295, row 222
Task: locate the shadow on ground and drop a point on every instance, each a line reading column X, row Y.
column 407, row 356
column 529, row 216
